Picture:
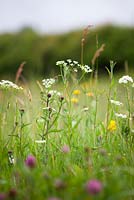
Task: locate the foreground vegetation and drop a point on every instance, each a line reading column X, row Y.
column 75, row 142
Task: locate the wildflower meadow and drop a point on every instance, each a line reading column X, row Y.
column 68, row 137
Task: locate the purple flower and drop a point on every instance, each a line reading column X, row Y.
column 30, row 161
column 3, row 196
column 65, row 149
column 94, row 187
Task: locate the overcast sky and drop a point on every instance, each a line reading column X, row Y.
column 50, row 16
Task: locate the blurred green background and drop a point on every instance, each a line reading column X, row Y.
column 41, row 51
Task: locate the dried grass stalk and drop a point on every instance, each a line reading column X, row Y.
column 97, row 53
column 19, row 71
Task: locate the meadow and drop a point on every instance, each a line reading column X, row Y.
column 68, row 137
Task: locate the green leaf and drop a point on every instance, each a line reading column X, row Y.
column 24, row 125
column 54, row 130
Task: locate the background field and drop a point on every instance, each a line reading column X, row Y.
column 42, row 51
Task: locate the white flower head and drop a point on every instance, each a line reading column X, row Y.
column 123, row 116
column 74, row 122
column 117, row 103
column 75, row 70
column 69, row 60
column 75, row 62
column 11, row 161
column 11, row 158
column 85, row 68
column 40, row 141
column 60, row 62
column 85, row 109
column 48, row 82
column 54, row 92
column 67, row 63
column 125, row 79
column 5, row 84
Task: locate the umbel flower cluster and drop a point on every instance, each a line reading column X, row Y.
column 5, row 84
column 117, row 103
column 126, row 79
column 120, row 115
column 74, row 64
column 54, row 92
column 48, row 82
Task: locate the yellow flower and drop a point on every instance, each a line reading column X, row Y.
column 90, row 94
column 76, row 92
column 112, row 126
column 74, row 100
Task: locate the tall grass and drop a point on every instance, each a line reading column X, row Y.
column 74, row 142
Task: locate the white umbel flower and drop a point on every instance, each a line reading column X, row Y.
column 85, row 109
column 48, row 82
column 123, row 116
column 40, row 141
column 85, row 68
column 125, row 79
column 5, row 84
column 69, row 60
column 117, row 103
column 67, row 63
column 60, row 62
column 75, row 62
column 54, row 92
column 11, row 161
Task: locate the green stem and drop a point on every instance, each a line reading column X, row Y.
column 95, row 117
column 96, row 108
column 82, row 52
column 92, row 73
column 129, row 108
column 56, row 116
column 108, row 106
column 21, row 132
column 45, row 121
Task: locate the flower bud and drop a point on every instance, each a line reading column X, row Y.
column 30, row 161
column 49, row 95
column 94, row 187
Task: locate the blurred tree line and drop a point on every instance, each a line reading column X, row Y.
column 42, row 51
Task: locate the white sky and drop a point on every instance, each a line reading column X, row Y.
column 50, row 16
